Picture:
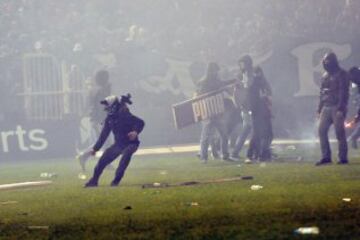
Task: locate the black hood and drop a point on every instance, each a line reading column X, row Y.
column 330, row 63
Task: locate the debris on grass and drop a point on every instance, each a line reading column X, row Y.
column 128, row 208
column 256, row 187
column 247, row 177
column 163, row 172
column 82, row 176
column 307, row 230
column 239, row 165
column 48, row 175
column 194, row 204
column 262, row 164
column 38, row 227
column 346, row 199
column 8, row 202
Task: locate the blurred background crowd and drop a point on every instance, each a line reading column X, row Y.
column 89, row 34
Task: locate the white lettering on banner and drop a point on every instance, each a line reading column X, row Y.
column 42, row 142
column 21, row 136
column 177, row 70
column 4, row 140
column 305, row 56
column 208, row 107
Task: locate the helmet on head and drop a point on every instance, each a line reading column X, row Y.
column 330, row 63
column 113, row 104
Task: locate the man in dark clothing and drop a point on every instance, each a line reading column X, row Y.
column 354, row 74
column 334, row 95
column 252, row 94
column 210, row 83
column 100, row 91
column 126, row 128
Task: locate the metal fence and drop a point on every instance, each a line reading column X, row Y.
column 51, row 90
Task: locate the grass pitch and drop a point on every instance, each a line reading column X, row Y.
column 294, row 194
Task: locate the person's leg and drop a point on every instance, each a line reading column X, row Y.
column 215, row 145
column 245, row 132
column 254, row 145
column 223, row 138
column 206, row 133
column 127, row 153
column 325, row 122
column 339, row 120
column 109, row 155
column 267, row 137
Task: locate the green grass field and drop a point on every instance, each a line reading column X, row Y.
column 294, row 194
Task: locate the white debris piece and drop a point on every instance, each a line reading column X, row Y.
column 256, row 187
column 307, row 230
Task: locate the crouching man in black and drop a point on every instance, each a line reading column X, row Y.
column 126, row 128
column 334, row 96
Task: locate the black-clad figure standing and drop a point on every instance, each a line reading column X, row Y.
column 354, row 75
column 334, row 96
column 126, row 128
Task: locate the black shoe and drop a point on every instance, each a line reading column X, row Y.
column 323, row 162
column 343, row 162
column 90, row 184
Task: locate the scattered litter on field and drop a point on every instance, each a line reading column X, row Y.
column 82, row 176
column 48, row 175
column 8, row 202
column 247, row 178
column 156, row 184
column 239, row 165
column 128, row 208
column 38, row 227
column 262, row 164
column 346, row 199
column 307, row 230
column 291, row 147
column 256, row 187
column 164, row 172
column 194, row 204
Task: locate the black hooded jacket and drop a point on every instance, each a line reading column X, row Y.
column 120, row 124
column 334, row 90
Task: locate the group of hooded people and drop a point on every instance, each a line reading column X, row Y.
column 249, row 106
column 247, row 113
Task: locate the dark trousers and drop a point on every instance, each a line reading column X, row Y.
column 110, row 155
column 262, row 136
column 329, row 116
column 209, row 128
